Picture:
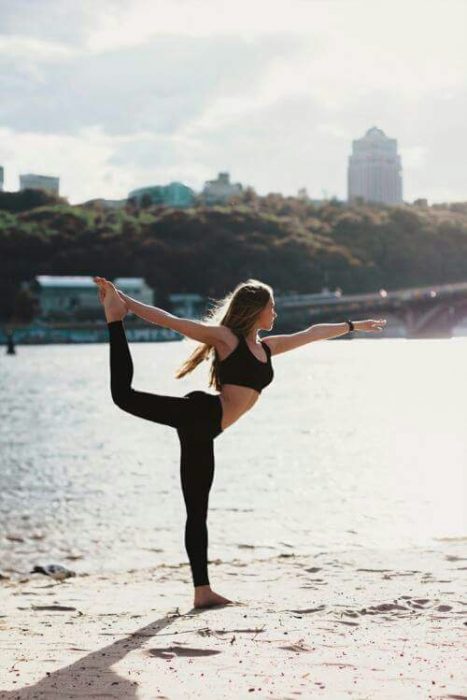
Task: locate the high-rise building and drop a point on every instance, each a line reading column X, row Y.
column 1, row 178
column 220, row 191
column 374, row 172
column 39, row 182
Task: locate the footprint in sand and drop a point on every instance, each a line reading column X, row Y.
column 299, row 646
column 170, row 652
column 382, row 608
column 453, row 557
column 305, row 611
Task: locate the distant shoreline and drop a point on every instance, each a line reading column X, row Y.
column 96, row 332
column 85, row 332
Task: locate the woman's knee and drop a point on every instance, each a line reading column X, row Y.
column 121, row 398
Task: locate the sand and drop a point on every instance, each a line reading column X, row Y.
column 344, row 624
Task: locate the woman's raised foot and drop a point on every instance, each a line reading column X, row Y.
column 114, row 307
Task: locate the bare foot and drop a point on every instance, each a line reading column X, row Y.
column 114, row 307
column 104, row 283
column 206, row 598
column 101, row 285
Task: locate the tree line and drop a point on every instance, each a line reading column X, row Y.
column 287, row 242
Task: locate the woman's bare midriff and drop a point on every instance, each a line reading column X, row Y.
column 236, row 400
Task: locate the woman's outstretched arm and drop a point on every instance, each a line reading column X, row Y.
column 196, row 330
column 145, row 311
column 324, row 331
column 319, row 331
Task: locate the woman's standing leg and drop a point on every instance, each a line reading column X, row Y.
column 197, row 473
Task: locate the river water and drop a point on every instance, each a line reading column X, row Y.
column 359, row 443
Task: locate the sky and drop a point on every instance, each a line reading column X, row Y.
column 113, row 95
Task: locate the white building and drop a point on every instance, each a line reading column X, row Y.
column 135, row 287
column 39, row 182
column 187, row 305
column 71, row 294
column 220, row 191
column 374, row 171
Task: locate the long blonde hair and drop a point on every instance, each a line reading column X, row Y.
column 238, row 310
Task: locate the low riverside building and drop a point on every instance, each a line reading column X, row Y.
column 187, row 305
column 76, row 296
column 135, row 287
column 71, row 312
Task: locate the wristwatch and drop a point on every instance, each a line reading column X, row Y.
column 351, row 326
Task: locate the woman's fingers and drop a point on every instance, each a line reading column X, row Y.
column 375, row 325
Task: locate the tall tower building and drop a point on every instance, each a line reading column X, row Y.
column 1, row 178
column 374, row 171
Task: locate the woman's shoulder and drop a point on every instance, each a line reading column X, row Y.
column 228, row 334
column 229, row 340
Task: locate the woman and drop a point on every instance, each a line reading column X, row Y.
column 241, row 367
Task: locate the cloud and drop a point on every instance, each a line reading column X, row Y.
column 158, row 86
column 52, row 21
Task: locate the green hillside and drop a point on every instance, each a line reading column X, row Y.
column 287, row 242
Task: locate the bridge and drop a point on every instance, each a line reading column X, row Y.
column 426, row 312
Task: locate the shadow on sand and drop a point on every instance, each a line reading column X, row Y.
column 92, row 676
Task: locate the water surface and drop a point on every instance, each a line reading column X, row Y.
column 356, row 443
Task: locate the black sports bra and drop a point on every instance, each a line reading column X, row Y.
column 242, row 368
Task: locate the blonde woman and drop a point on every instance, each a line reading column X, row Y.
column 240, row 369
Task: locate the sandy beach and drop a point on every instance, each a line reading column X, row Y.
column 359, row 624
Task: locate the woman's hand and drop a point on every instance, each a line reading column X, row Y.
column 370, row 326
column 124, row 298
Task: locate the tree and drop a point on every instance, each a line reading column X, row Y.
column 145, row 201
column 25, row 307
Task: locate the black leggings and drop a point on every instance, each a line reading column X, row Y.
column 197, row 417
